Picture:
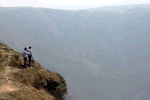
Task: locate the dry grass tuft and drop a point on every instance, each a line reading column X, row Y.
column 1, row 57
column 4, row 47
column 1, row 61
column 15, row 62
column 29, row 93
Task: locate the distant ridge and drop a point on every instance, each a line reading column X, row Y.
column 119, row 8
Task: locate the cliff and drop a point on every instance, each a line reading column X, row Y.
column 34, row 83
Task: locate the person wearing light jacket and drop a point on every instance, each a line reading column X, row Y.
column 25, row 55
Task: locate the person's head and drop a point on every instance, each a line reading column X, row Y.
column 25, row 48
column 29, row 47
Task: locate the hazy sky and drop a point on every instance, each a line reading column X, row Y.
column 68, row 4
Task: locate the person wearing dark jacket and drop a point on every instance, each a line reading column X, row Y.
column 25, row 55
column 30, row 56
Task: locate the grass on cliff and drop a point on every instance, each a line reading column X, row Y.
column 34, row 83
column 39, row 78
column 4, row 47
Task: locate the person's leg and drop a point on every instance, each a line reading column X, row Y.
column 29, row 61
column 25, row 60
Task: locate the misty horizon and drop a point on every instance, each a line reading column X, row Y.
column 71, row 5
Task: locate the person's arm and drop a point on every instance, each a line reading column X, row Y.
column 28, row 52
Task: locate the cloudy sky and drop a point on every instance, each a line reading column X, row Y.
column 68, row 4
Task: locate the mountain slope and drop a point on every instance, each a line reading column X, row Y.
column 31, row 83
column 105, row 53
